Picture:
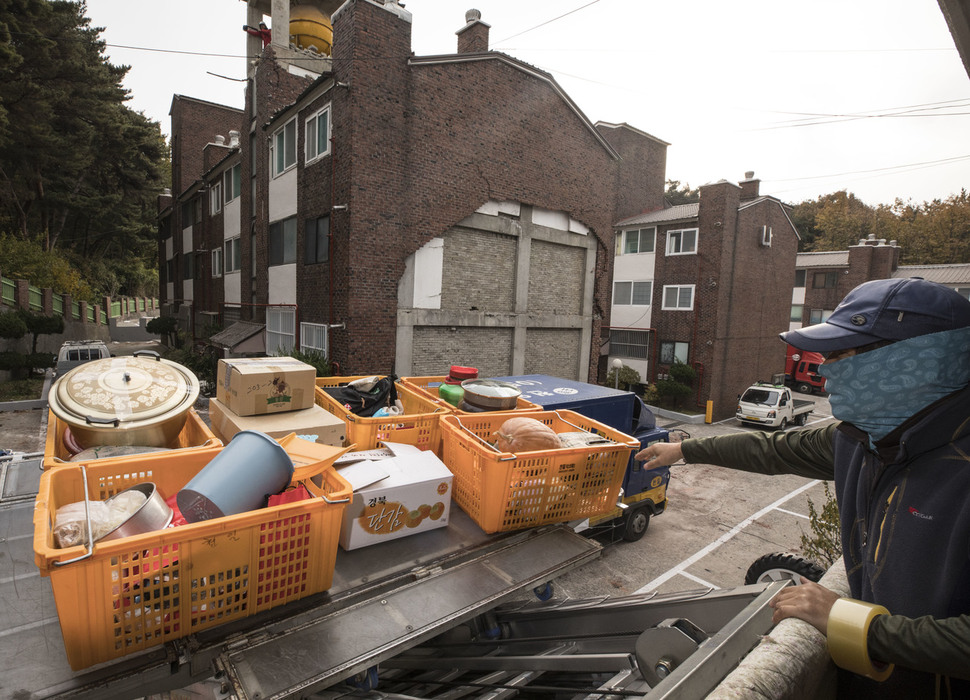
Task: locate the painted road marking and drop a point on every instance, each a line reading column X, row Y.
column 699, row 580
column 679, row 569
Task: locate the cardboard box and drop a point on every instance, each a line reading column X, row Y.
column 315, row 423
column 255, row 386
column 395, row 497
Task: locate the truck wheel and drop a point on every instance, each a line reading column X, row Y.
column 804, row 387
column 783, row 425
column 635, row 524
column 781, row 567
column 802, row 419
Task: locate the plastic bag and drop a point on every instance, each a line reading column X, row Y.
column 70, row 524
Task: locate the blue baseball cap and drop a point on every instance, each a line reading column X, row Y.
column 893, row 309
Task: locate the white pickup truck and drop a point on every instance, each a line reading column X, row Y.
column 772, row 405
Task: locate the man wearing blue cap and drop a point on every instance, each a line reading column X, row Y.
column 897, row 371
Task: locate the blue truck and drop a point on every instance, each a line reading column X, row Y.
column 644, row 491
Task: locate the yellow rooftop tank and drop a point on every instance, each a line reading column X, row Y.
column 310, row 28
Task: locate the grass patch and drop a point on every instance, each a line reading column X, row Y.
column 21, row 389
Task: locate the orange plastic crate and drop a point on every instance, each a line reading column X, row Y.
column 194, row 436
column 137, row 592
column 417, row 426
column 428, row 386
column 503, row 491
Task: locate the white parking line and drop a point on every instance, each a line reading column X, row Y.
column 679, row 569
column 791, row 512
column 699, row 580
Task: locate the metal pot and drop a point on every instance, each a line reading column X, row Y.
column 137, row 400
column 490, row 394
column 154, row 514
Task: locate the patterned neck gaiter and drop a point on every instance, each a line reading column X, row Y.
column 880, row 389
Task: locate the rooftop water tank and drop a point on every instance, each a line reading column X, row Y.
column 310, row 29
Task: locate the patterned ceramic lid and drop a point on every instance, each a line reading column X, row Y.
column 126, row 389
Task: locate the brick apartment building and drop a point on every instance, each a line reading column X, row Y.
column 402, row 213
column 823, row 279
column 706, row 284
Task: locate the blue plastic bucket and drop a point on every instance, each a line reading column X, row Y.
column 252, row 467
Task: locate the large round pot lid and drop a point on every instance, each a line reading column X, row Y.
column 124, row 389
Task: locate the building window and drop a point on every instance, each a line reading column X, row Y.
column 191, row 212
column 631, row 344
column 318, row 135
column 217, row 262
column 232, row 183
column 678, row 297
column 825, row 280
column 637, row 241
column 682, row 241
column 316, row 243
column 282, row 148
column 632, row 293
column 964, row 292
column 672, row 351
column 799, row 278
column 280, row 330
column 233, row 255
column 215, row 198
column 819, row 316
column 313, row 336
column 188, row 266
column 796, row 313
column 282, row 242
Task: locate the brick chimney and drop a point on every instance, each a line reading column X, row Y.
column 473, row 37
column 749, row 186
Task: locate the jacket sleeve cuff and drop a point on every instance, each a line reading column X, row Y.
column 848, row 632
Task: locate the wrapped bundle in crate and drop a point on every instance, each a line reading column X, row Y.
column 428, row 387
column 502, row 491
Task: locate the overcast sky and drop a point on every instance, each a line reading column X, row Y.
column 865, row 95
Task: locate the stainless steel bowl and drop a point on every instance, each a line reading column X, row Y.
column 154, row 514
column 491, row 394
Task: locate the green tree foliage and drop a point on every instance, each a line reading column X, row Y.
column 934, row 232
column 164, row 326
column 12, row 326
column 674, row 391
column 315, row 358
column 78, row 169
column 675, row 194
column 27, row 260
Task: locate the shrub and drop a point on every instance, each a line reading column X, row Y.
column 164, row 326
column 12, row 325
column 40, row 361
column 825, row 547
column 315, row 358
column 627, row 378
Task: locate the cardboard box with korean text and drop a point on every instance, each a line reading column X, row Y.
column 315, row 424
column 395, row 497
column 253, row 386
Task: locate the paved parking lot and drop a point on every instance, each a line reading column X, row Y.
column 718, row 521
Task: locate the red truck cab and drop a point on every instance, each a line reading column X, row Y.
column 801, row 371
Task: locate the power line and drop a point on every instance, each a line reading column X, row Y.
column 926, row 163
column 549, row 21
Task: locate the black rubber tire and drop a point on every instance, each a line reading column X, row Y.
column 804, row 387
column 781, row 566
column 802, row 419
column 635, row 524
column 783, row 425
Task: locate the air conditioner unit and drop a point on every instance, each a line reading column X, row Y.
column 766, row 236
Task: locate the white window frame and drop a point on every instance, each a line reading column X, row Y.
column 678, row 249
column 679, row 351
column 677, row 289
column 311, row 136
column 280, row 330
column 217, row 262
column 627, row 299
column 283, row 143
column 313, row 336
column 640, row 232
column 233, row 256
column 215, row 197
